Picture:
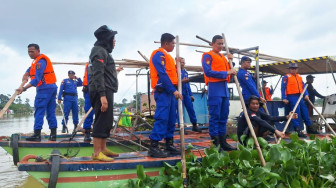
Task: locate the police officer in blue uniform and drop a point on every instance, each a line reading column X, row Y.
column 164, row 83
column 246, row 81
column 68, row 90
column 188, row 97
column 217, row 73
column 291, row 88
column 87, row 105
column 43, row 78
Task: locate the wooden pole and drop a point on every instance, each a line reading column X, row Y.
column 180, row 112
column 10, row 101
column 143, row 56
column 291, row 114
column 65, row 123
column 263, row 162
column 83, row 119
column 321, row 116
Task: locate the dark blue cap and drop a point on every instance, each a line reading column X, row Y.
column 71, row 72
column 245, row 58
column 293, row 65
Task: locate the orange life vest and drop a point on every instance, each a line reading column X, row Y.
column 294, row 84
column 49, row 76
column 170, row 68
column 267, row 94
column 219, row 63
column 85, row 80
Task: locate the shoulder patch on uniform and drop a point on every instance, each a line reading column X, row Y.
column 162, row 59
column 38, row 65
column 102, row 61
column 253, row 115
column 285, row 79
column 62, row 81
column 207, row 60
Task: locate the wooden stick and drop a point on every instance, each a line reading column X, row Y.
column 180, row 111
column 83, row 119
column 143, row 56
column 263, row 162
column 291, row 114
column 10, row 101
column 65, row 123
column 321, row 116
column 188, row 44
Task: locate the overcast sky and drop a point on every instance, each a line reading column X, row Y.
column 64, row 30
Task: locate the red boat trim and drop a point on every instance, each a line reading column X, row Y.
column 99, row 178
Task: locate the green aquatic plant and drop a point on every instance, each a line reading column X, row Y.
column 297, row 163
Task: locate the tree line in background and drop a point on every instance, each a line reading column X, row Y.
column 18, row 106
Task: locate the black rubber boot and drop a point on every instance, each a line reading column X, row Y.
column 195, row 128
column 63, row 129
column 87, row 136
column 75, row 127
column 170, row 148
column 310, row 130
column 52, row 136
column 155, row 151
column 215, row 140
column 36, row 136
column 300, row 133
column 224, row 145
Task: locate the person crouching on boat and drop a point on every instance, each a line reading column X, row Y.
column 260, row 120
column 42, row 75
column 164, row 83
column 103, row 84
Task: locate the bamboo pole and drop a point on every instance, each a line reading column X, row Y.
column 263, row 162
column 10, row 101
column 83, row 119
column 291, row 114
column 180, row 112
column 143, row 56
column 65, row 123
column 321, row 116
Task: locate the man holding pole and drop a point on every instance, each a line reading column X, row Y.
column 217, row 72
column 246, row 81
column 68, row 90
column 164, row 82
column 42, row 75
column 291, row 89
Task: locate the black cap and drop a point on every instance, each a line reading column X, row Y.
column 104, row 33
column 71, row 72
column 264, row 82
column 310, row 76
column 293, row 65
column 245, row 58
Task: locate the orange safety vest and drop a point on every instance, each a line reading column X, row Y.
column 85, row 80
column 49, row 76
column 267, row 94
column 219, row 63
column 294, row 84
column 169, row 66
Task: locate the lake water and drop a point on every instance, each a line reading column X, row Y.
column 9, row 175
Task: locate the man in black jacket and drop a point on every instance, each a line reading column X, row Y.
column 259, row 120
column 103, row 84
column 311, row 93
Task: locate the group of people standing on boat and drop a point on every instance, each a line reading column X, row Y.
column 101, row 82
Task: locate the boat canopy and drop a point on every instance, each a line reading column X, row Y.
column 315, row 65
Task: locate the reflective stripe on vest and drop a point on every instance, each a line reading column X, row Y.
column 169, row 66
column 85, row 80
column 294, row 84
column 49, row 76
column 219, row 63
